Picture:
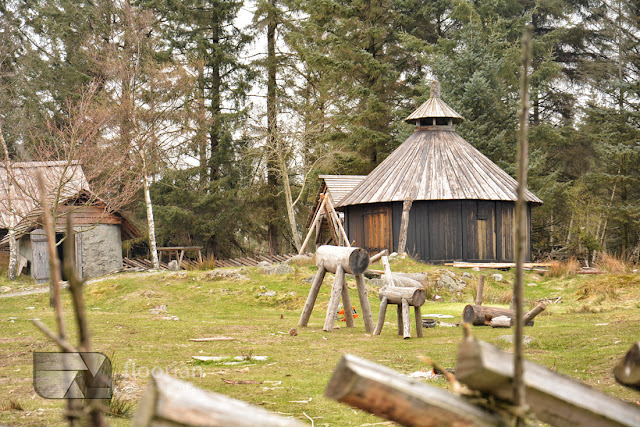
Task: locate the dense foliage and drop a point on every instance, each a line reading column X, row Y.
column 233, row 108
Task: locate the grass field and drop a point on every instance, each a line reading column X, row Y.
column 582, row 337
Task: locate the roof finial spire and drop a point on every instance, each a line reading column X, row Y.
column 435, row 89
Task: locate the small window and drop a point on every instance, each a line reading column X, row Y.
column 442, row 121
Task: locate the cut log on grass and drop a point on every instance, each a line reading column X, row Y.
column 478, row 315
column 627, row 372
column 388, row 394
column 501, row 322
column 554, row 398
column 507, row 322
column 171, row 402
column 528, row 317
column 414, row 296
column 353, row 260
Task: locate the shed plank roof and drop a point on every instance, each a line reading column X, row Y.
column 435, row 164
column 341, row 185
column 62, row 180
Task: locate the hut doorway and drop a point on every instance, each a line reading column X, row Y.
column 378, row 231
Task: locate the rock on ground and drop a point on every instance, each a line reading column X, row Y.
column 237, row 274
column 497, row 277
column 276, row 269
column 173, row 265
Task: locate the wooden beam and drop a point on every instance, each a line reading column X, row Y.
column 306, row 239
column 313, row 295
column 338, row 223
column 480, row 290
column 390, row 395
column 414, row 296
column 363, row 295
column 554, row 398
column 353, row 260
column 334, row 300
column 377, row 256
column 171, row 402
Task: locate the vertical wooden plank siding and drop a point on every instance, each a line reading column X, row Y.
column 441, row 231
column 40, row 256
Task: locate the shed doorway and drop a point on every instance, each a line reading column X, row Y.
column 378, row 231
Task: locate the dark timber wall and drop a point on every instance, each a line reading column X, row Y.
column 440, row 231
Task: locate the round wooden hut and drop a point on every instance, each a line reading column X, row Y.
column 461, row 205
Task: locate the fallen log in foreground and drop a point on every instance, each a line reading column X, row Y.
column 388, row 394
column 554, row 398
column 627, row 372
column 171, row 402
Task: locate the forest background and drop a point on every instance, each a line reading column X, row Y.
column 226, row 122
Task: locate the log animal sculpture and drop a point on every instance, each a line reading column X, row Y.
column 339, row 260
column 403, row 298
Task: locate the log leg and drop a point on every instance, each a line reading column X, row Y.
column 346, row 299
column 383, row 312
column 400, row 322
column 406, row 320
column 313, row 294
column 367, row 316
column 418, row 313
column 336, row 290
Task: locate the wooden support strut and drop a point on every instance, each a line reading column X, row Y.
column 306, row 239
column 169, row 401
column 388, row 394
column 313, row 295
column 553, row 398
column 334, row 300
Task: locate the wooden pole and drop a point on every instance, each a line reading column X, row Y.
column 313, row 295
column 406, row 320
column 363, row 295
column 387, row 271
column 480, row 290
column 404, row 225
column 346, row 301
column 377, row 256
column 554, row 398
column 388, row 394
column 339, row 223
column 306, row 239
column 381, row 315
column 519, row 390
column 332, row 226
column 534, row 312
column 418, row 314
column 170, row 402
column 336, row 290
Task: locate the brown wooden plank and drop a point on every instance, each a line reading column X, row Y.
column 554, row 398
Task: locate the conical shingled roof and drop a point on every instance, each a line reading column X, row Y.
column 435, row 163
column 434, row 107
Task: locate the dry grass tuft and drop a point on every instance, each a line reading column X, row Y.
column 208, row 263
column 612, row 264
column 566, row 268
column 12, row 405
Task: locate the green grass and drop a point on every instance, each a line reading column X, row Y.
column 298, row 368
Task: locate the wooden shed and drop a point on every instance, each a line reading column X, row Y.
column 335, row 187
column 462, row 205
column 100, row 230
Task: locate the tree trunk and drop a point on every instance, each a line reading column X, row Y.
column 404, row 226
column 201, row 133
column 478, row 315
column 216, row 83
column 151, row 223
column 288, row 197
column 13, row 247
column 272, row 178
